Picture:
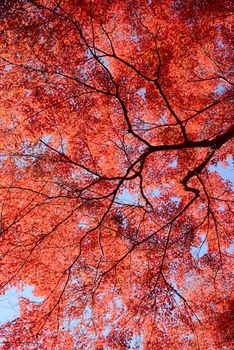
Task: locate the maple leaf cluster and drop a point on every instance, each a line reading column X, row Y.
column 115, row 118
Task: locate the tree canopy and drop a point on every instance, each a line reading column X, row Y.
column 115, row 118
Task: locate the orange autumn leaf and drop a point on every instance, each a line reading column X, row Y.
column 115, row 119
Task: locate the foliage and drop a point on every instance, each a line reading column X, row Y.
column 111, row 114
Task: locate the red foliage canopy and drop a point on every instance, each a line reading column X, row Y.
column 112, row 113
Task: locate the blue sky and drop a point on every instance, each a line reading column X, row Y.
column 9, row 302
